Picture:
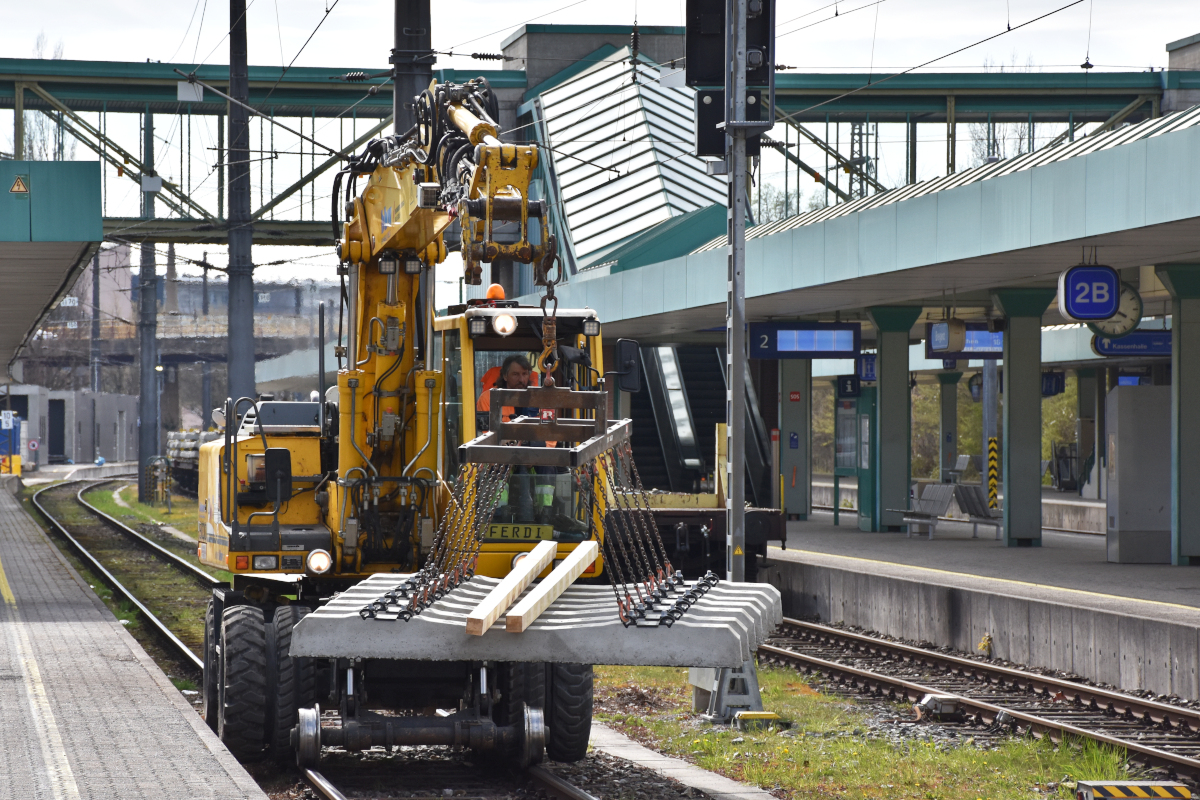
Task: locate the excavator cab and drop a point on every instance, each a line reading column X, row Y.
column 495, row 344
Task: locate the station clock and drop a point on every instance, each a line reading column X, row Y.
column 1125, row 321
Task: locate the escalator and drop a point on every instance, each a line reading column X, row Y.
column 647, row 449
column 675, row 418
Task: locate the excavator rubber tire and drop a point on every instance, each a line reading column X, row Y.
column 209, row 690
column 295, row 684
column 568, row 711
column 535, row 684
column 243, row 685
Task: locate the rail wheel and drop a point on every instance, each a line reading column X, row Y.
column 243, row 681
column 293, row 685
column 568, row 711
column 209, row 688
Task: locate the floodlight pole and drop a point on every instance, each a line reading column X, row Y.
column 735, row 306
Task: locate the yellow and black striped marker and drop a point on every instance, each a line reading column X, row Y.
column 993, row 472
column 1094, row 790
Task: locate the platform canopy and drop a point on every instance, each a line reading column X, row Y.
column 50, row 226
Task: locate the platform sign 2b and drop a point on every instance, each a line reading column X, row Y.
column 1089, row 292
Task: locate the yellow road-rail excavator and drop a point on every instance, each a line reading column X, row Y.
column 464, row 463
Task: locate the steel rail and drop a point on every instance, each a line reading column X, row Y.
column 552, row 783
column 1168, row 716
column 986, row 712
column 94, row 564
column 205, row 580
column 556, row 785
column 322, row 785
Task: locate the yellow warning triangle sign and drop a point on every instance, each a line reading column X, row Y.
column 19, row 186
column 737, row 551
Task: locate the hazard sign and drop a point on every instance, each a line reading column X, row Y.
column 20, row 185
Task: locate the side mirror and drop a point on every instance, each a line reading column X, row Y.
column 278, row 469
column 629, row 373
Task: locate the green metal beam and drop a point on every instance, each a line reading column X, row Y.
column 128, row 87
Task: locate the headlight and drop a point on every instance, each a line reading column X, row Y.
column 266, row 562
column 591, row 327
column 412, row 266
column 477, row 326
column 504, row 324
column 389, row 262
column 319, row 562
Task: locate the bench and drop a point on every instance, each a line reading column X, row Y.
column 959, row 468
column 929, row 509
column 973, row 502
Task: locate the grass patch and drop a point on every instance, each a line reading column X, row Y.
column 830, row 750
column 185, row 685
column 146, row 519
column 183, row 514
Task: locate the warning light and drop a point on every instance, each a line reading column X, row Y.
column 495, row 292
column 241, row 562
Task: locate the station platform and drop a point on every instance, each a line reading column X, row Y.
column 84, row 711
column 1060, row 606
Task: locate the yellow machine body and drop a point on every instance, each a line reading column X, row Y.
column 401, row 408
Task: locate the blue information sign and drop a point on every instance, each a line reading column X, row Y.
column 1089, row 292
column 939, row 336
column 1138, row 343
column 1053, row 383
column 804, row 339
column 979, row 343
column 866, row 367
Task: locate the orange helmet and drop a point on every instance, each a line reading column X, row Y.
column 495, row 292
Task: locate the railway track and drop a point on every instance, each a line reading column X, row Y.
column 994, row 698
column 130, row 564
column 126, row 560
column 466, row 784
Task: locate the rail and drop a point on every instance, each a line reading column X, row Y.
column 1117, row 707
column 551, row 783
column 158, row 626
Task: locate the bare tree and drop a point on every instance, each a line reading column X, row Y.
column 1008, row 139
column 44, row 139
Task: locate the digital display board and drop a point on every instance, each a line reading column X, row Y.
column 979, row 343
column 804, row 339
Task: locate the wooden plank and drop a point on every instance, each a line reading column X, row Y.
column 539, row 599
column 500, row 598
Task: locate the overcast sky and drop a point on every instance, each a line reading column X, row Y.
column 865, row 35
column 357, row 33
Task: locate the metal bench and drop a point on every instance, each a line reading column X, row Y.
column 929, row 509
column 959, row 468
column 973, row 502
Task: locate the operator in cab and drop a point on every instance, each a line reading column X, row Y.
column 515, row 373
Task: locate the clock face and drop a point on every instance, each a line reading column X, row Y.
column 1129, row 314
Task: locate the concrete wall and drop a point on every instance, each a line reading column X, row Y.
column 1120, row 649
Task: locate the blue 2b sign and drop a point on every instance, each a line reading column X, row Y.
column 1089, row 292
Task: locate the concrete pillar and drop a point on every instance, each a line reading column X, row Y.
column 795, row 436
column 1183, row 282
column 893, row 419
column 1022, row 461
column 1085, row 432
column 948, row 424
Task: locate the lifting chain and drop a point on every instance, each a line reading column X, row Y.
column 548, row 273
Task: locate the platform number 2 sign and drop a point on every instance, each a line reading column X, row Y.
column 1089, row 292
